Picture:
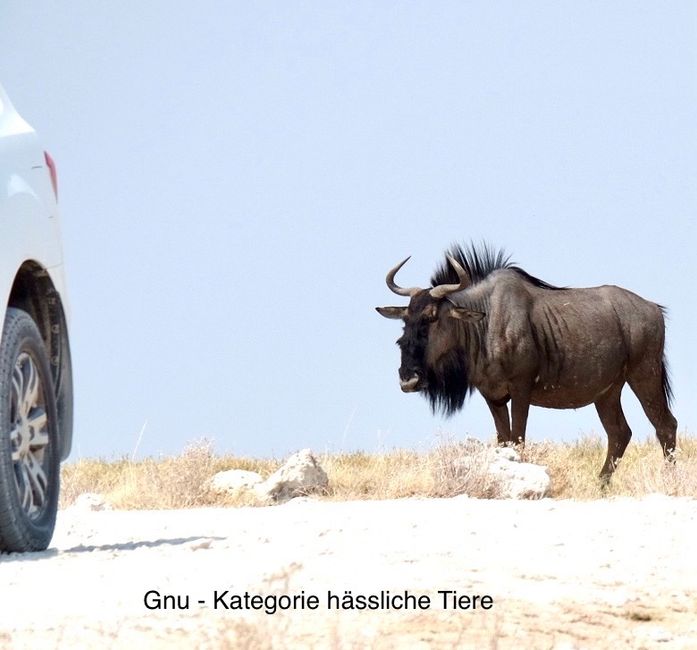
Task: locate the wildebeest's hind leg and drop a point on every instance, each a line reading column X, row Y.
column 618, row 432
column 499, row 409
column 650, row 386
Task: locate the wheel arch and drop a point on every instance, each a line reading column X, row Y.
column 34, row 291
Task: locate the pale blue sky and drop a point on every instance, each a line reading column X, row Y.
column 236, row 178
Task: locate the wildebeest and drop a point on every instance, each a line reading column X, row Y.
column 487, row 324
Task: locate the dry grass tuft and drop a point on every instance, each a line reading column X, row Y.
column 460, row 468
column 574, row 468
column 394, row 475
column 182, row 481
column 163, row 483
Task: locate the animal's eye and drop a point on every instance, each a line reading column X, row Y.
column 430, row 313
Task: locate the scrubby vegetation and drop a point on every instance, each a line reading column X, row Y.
column 182, row 481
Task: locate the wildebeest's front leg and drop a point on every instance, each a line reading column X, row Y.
column 520, row 405
column 499, row 409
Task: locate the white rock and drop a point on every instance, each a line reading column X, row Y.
column 506, row 453
column 91, row 501
column 234, row 480
column 501, row 468
column 520, row 480
column 300, row 475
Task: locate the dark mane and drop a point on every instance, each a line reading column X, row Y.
column 479, row 261
column 449, row 382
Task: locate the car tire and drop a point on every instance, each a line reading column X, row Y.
column 29, row 449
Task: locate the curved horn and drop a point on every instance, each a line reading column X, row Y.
column 443, row 290
column 393, row 287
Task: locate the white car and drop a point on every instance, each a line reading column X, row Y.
column 36, row 404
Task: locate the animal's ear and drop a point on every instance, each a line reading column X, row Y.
column 392, row 312
column 467, row 315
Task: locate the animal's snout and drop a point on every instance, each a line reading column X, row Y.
column 409, row 385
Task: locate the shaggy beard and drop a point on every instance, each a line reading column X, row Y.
column 448, row 384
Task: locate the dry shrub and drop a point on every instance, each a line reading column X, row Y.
column 447, row 470
column 574, row 468
column 165, row 483
column 178, row 482
column 392, row 475
column 90, row 475
column 461, row 468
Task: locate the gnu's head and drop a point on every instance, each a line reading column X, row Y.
column 427, row 336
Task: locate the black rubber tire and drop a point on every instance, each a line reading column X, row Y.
column 18, row 531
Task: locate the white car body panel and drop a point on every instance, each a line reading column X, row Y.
column 29, row 222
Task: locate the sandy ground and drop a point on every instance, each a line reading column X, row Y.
column 618, row 573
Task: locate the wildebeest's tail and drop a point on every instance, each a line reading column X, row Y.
column 665, row 381
column 665, row 373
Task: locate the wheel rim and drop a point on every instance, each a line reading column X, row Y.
column 29, row 436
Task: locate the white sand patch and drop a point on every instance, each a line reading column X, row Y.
column 632, row 560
